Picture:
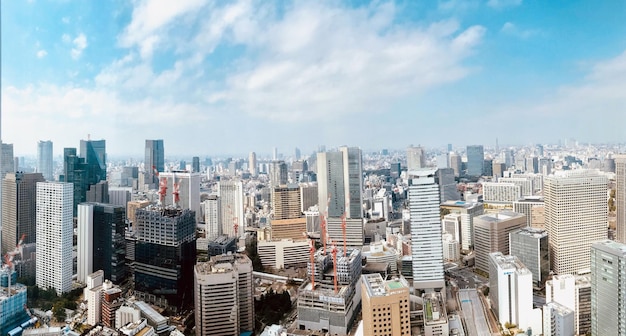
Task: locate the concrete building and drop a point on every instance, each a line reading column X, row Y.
column 573, row 292
column 531, row 247
column 355, row 236
column 456, row 164
column 232, row 203
column 608, row 288
column 19, row 209
column 435, row 316
column 510, row 290
column 252, row 164
column 415, row 158
column 534, row 209
column 468, row 211
column 475, row 158
column 44, row 160
column 278, row 173
column 525, row 184
column 620, row 197
column 379, row 252
column 54, row 236
column 451, row 224
column 451, row 248
column 7, row 165
column 288, row 228
column 224, row 295
column 308, row 195
column 340, row 182
column 491, row 232
column 499, row 192
column 284, row 253
column 212, row 217
column 447, row 185
column 286, row 201
column 154, row 159
column 558, row 320
column 576, row 216
column 189, row 190
column 426, row 243
column 385, row 306
column 131, row 210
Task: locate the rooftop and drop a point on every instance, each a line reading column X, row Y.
column 500, row 216
column 611, row 246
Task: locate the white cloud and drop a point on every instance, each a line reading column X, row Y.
column 510, row 28
column 80, row 43
column 41, row 53
column 499, row 4
column 66, row 38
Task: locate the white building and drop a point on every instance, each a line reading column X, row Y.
column 232, row 206
column 558, row 320
column 426, row 243
column 212, row 217
column 92, row 294
column 525, row 184
column 452, row 225
column 500, row 192
column 415, row 158
column 576, row 215
column 608, row 288
column 573, row 292
column 510, row 290
column 451, row 248
column 85, row 241
column 55, row 234
column 280, row 254
column 468, row 212
column 620, row 196
column 189, row 190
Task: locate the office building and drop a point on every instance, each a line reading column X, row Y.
column 386, row 308
column 195, row 164
column 94, row 154
column 120, row 196
column 489, row 166
column 451, row 248
column 101, row 244
column 44, row 159
column 92, row 294
column 468, row 211
column 534, row 209
column 576, row 216
column 164, row 253
column 426, row 243
column 308, row 195
column 188, row 188
column 232, row 207
column 499, row 192
column 452, row 225
column 447, row 185
column 224, row 296
column 435, row 316
column 456, row 163
column 491, row 233
column 475, row 158
column 573, row 292
column 510, row 290
column 415, row 158
column 525, row 184
column 443, row 161
column 7, row 165
column 283, row 253
column 154, row 159
column 608, row 288
column 545, row 166
column 530, row 246
column 620, row 197
column 252, row 164
column 212, row 217
column 54, row 236
column 98, row 193
column 286, row 201
column 19, row 205
column 85, row 170
column 532, row 165
column 558, row 320
column 278, row 173
column 355, row 235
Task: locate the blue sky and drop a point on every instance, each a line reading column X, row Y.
column 219, row 77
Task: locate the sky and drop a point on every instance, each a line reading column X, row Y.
column 229, row 77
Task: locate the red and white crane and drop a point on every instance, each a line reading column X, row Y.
column 8, row 260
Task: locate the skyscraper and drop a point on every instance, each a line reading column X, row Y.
column 278, row 173
column 232, row 207
column 155, row 157
column 19, row 208
column 8, row 161
column 224, row 295
column 44, row 159
column 510, row 290
column 54, row 236
column 620, row 197
column 608, row 288
column 340, row 182
column 475, row 160
column 94, row 153
column 75, row 172
column 101, row 244
column 252, row 164
column 576, row 215
column 212, row 217
column 491, row 234
column 426, row 243
column 531, row 247
column 415, row 158
column 353, row 181
column 195, row 164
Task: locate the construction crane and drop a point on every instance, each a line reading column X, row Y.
column 312, row 256
column 162, row 190
column 176, row 192
column 8, row 261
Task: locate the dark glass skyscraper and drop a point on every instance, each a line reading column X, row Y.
column 94, row 153
column 195, row 164
column 475, row 160
column 85, row 170
column 155, row 157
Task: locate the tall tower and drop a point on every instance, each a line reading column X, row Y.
column 94, row 153
column 576, row 215
column 620, row 196
column 44, row 159
column 278, row 173
column 353, row 180
column 54, row 236
column 8, row 161
column 415, row 158
column 252, row 164
column 426, row 243
column 330, row 184
column 155, row 157
column 212, row 217
column 608, row 302
column 19, row 208
column 232, row 206
column 475, row 160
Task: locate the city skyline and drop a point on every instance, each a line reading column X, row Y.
column 126, row 72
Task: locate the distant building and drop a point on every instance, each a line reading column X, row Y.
column 456, row 164
column 213, row 216
column 19, row 205
column 499, row 192
column 415, row 158
column 278, row 173
column 468, row 212
column 389, row 297
column 447, row 185
column 44, row 160
column 252, row 164
column 287, row 201
column 534, row 210
column 195, row 164
column 154, row 159
column 232, row 207
column 189, row 190
column 475, row 158
column 525, row 184
column 608, row 303
column 491, row 233
column 8, row 160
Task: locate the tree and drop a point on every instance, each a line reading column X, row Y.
column 253, row 254
column 58, row 311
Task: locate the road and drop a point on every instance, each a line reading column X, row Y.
column 473, row 313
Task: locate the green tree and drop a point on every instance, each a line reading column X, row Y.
column 58, row 311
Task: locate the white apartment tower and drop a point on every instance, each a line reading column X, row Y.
column 232, row 206
column 212, row 217
column 620, row 196
column 54, row 235
column 510, row 290
column 608, row 288
column 426, row 240
column 576, row 215
column 85, row 241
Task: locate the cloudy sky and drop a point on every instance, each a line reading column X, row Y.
column 219, row 77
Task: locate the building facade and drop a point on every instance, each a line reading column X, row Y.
column 386, row 308
column 510, row 290
column 475, row 158
column 492, row 235
column 608, row 288
column 44, row 160
column 531, row 247
column 19, row 205
column 154, row 159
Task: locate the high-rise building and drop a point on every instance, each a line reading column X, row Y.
column 331, row 192
column 534, row 210
column 573, row 292
column 468, row 212
column 154, row 158
column 224, row 295
column 475, row 158
column 308, row 195
column 415, row 158
column 278, row 173
column 576, row 216
column 608, row 288
column 532, row 165
column 286, row 202
column 456, row 163
column 7, row 164
column 558, row 320
column 101, row 243
column 426, row 243
column 620, row 197
column 94, row 153
column 195, row 164
column 353, row 181
column 164, row 253
column 392, row 298
column 55, row 232
column 252, row 164
column 44, row 159
column 447, row 185
column 297, row 154
column 491, row 234
column 510, row 290
column 188, row 190
column 86, row 170
column 497, row 192
column 19, row 209
column 275, row 153
column 531, row 247
column 232, row 207
column 212, row 217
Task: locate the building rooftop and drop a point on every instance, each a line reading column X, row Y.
column 532, row 232
column 612, row 246
column 500, row 216
column 434, row 309
column 559, row 308
column 460, row 204
column 509, row 262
